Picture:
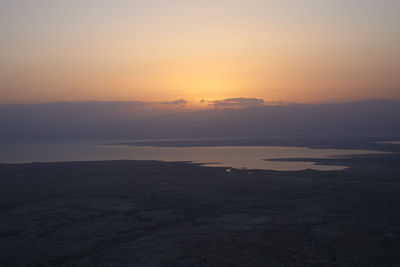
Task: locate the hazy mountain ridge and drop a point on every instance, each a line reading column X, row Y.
column 88, row 120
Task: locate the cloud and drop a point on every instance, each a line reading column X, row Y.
column 180, row 102
column 239, row 102
column 275, row 103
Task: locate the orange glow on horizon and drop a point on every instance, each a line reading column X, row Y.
column 137, row 51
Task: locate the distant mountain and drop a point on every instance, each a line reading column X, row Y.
column 106, row 120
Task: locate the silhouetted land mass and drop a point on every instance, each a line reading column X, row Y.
column 131, row 120
column 149, row 213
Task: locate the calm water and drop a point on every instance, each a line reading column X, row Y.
column 227, row 156
column 390, row 142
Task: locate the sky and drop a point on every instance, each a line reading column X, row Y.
column 305, row 51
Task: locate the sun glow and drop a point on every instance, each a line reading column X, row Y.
column 197, row 50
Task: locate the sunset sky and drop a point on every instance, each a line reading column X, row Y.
column 306, row 51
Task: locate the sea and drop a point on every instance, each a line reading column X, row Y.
column 250, row 157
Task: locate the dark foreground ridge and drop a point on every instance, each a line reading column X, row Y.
column 148, row 213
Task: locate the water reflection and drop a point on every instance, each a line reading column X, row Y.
column 251, row 157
